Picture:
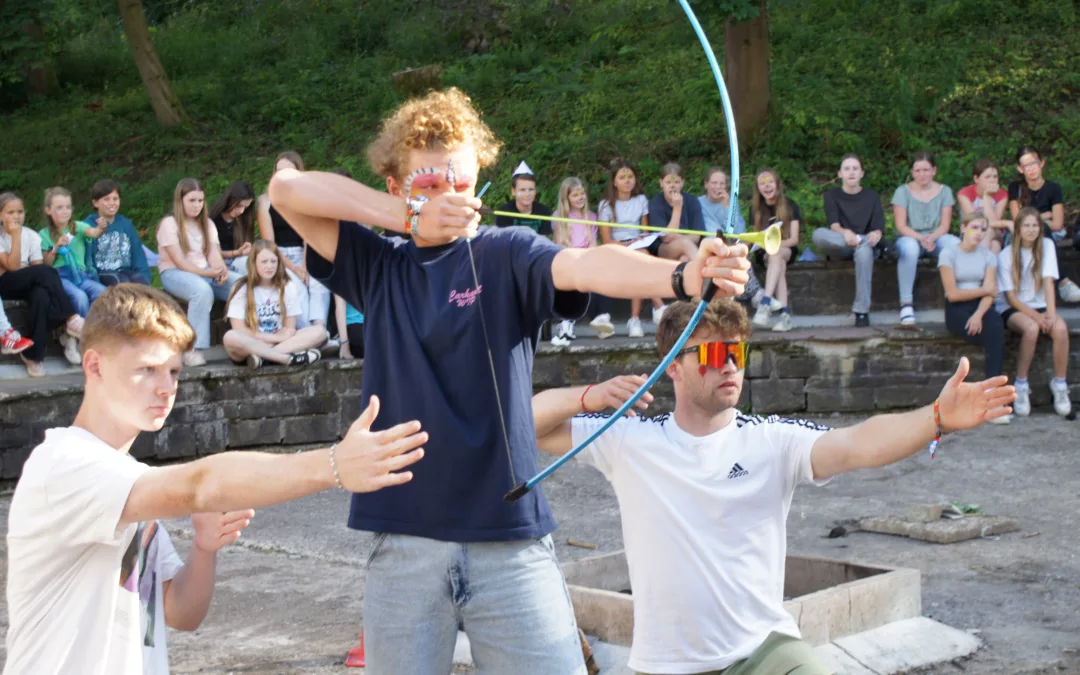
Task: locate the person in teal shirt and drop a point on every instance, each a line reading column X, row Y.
column 63, row 245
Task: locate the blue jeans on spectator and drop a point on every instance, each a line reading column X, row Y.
column 911, row 250
column 508, row 596
column 199, row 293
column 83, row 293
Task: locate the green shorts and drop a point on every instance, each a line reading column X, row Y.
column 778, row 655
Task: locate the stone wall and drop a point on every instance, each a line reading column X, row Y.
column 224, row 407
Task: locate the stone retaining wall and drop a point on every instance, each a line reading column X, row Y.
column 228, row 407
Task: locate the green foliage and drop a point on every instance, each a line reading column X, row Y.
column 567, row 84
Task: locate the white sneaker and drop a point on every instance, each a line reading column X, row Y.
column 71, row 349
column 603, row 326
column 1004, row 419
column 569, row 330
column 783, row 322
column 560, row 341
column 193, row 359
column 1022, row 405
column 763, row 315
column 658, row 314
column 1062, row 405
column 633, row 328
column 907, row 315
column 1069, row 291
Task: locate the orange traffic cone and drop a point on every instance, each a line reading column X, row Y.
column 355, row 658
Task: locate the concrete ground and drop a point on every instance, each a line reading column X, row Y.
column 289, row 595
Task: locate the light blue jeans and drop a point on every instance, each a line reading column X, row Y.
column 81, row 294
column 508, row 597
column 910, row 251
column 199, row 293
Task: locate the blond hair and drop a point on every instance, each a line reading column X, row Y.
column 253, row 280
column 183, row 188
column 1017, row 246
column 442, row 120
column 723, row 316
column 561, row 231
column 128, row 312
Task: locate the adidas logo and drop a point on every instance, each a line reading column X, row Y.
column 737, row 472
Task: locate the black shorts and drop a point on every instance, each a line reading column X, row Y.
column 1012, row 310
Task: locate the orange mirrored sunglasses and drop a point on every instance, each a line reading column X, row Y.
column 717, row 354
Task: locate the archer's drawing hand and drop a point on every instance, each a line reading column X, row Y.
column 449, row 215
column 725, row 264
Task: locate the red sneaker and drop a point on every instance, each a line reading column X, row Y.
column 11, row 342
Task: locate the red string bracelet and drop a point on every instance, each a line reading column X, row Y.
column 583, row 408
column 937, row 436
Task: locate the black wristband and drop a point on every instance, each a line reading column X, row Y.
column 677, row 283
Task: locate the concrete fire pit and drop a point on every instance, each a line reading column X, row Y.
column 829, row 599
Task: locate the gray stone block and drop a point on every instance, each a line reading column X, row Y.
column 310, row 429
column 254, row 433
column 941, row 531
column 778, row 396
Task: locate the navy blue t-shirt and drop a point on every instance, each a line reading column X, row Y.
column 427, row 360
column 691, row 219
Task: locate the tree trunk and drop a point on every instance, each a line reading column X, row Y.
column 746, row 63
column 41, row 74
column 165, row 103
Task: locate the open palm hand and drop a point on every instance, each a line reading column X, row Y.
column 965, row 405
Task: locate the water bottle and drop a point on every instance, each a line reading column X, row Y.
column 69, row 258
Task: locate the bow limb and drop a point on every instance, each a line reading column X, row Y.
column 707, row 292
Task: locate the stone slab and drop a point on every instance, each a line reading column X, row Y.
column 840, row 662
column 941, row 531
column 905, row 645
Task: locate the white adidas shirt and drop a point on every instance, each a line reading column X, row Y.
column 704, row 523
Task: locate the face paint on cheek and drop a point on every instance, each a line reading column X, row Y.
column 702, row 370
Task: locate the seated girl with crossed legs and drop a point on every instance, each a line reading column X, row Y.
column 263, row 308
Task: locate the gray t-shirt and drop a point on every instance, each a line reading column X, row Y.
column 715, row 216
column 968, row 266
column 923, row 217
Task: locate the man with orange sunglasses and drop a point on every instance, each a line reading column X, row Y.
column 705, row 491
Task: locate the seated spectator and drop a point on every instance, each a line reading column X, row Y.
column 64, row 247
column 1045, row 197
column 922, row 210
column 969, row 277
column 523, row 192
column 770, row 206
column 986, row 194
column 856, row 225
column 1026, row 273
column 192, row 269
column 314, row 296
column 574, row 203
column 716, row 204
column 263, row 307
column 630, row 208
column 677, row 210
column 24, row 277
column 117, row 255
column 234, row 220
column 352, row 346
column 11, row 341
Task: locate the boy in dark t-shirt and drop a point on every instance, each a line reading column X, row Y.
column 523, row 190
column 458, row 356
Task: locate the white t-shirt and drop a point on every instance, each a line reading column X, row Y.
column 628, row 212
column 162, row 564
column 72, row 586
column 267, row 306
column 31, row 245
column 1031, row 293
column 704, row 523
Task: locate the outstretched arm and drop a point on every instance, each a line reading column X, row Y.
column 554, row 408
column 618, row 272
column 884, row 439
column 366, row 461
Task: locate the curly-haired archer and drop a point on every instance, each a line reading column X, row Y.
column 442, row 120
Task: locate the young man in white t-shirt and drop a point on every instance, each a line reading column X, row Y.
column 704, row 494
column 82, row 541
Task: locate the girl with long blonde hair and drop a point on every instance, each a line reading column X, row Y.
column 192, row 269
column 262, row 312
column 574, row 203
column 1026, row 274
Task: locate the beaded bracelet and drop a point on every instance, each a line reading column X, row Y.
column 333, row 467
